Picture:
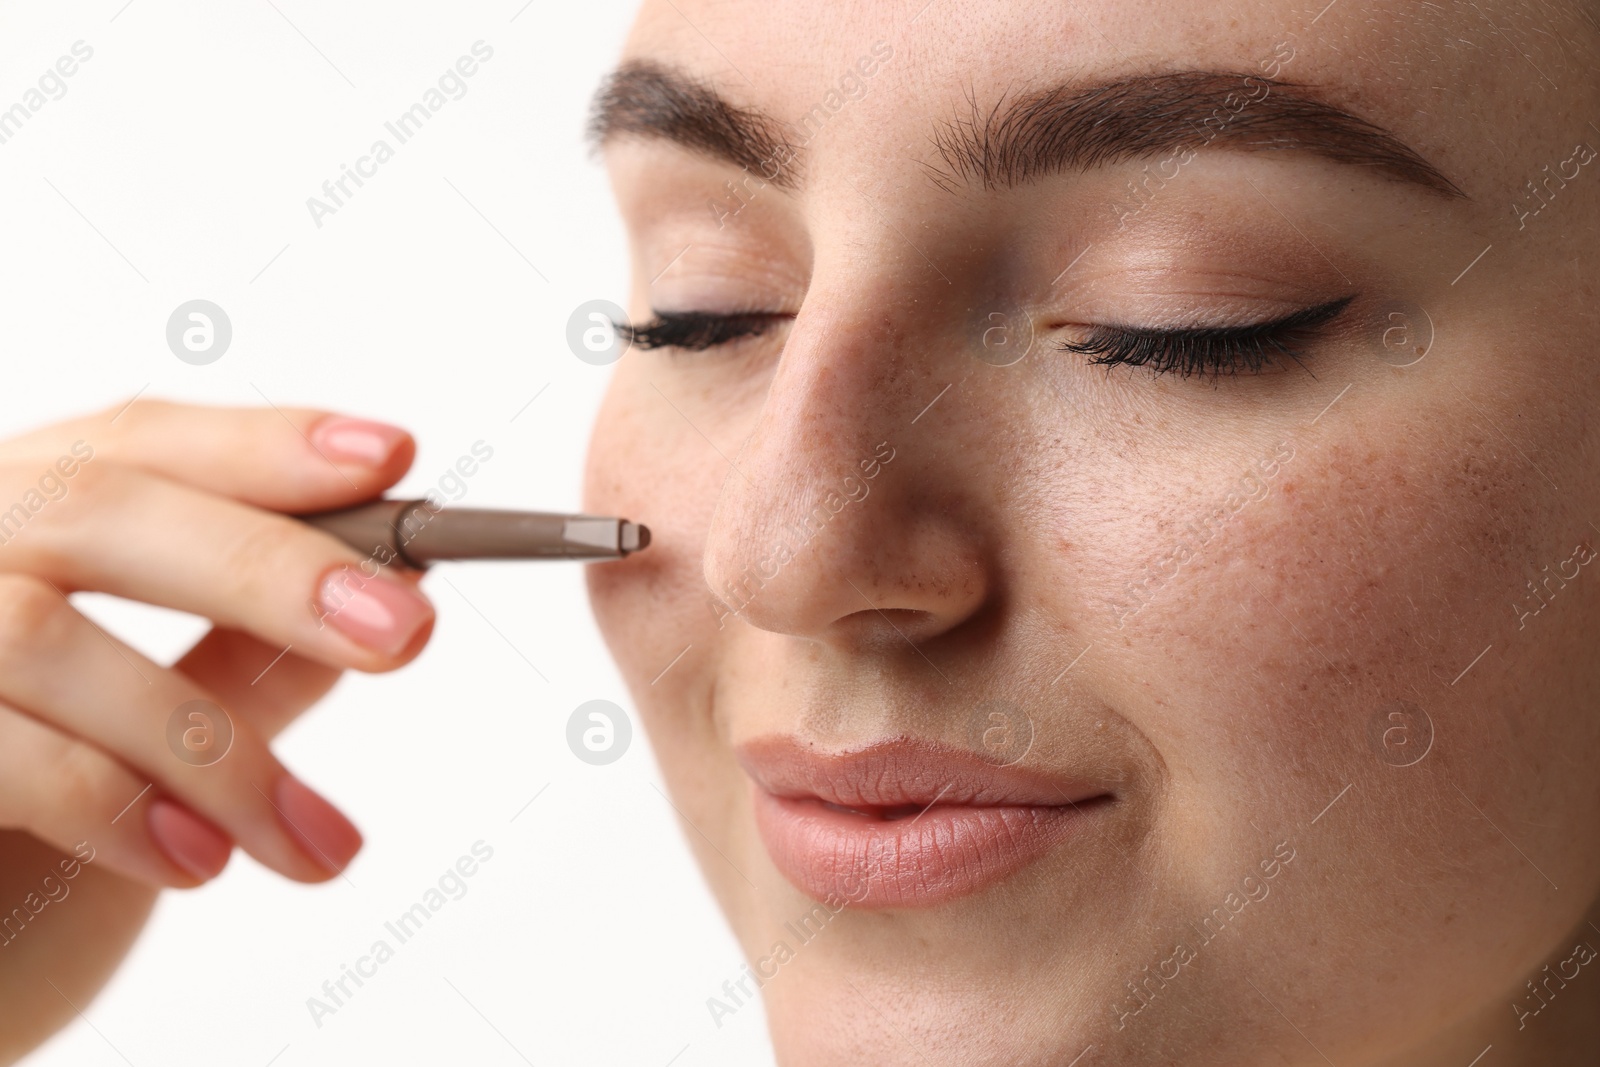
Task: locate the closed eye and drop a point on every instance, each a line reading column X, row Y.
column 1215, row 349
column 696, row 331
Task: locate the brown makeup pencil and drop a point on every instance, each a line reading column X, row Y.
column 418, row 533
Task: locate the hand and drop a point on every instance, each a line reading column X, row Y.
column 181, row 506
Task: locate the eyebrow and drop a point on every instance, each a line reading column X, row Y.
column 1034, row 135
column 644, row 99
column 1079, row 127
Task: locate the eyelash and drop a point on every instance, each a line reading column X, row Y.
column 1217, row 349
column 696, row 331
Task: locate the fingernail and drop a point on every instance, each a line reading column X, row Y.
column 378, row 613
column 343, row 439
column 188, row 840
column 326, row 835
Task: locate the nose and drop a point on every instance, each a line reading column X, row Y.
column 850, row 519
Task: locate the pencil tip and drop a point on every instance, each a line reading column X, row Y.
column 635, row 536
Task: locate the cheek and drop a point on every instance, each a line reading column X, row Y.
column 654, row 609
column 1368, row 575
column 651, row 605
column 1384, row 570
column 1380, row 569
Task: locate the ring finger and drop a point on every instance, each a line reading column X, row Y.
column 59, row 667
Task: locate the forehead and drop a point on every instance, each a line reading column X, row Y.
column 1473, row 87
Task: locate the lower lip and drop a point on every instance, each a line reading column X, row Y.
column 947, row 852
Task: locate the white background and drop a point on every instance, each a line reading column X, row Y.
column 190, row 142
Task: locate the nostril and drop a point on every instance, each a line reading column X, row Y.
column 900, row 617
column 890, row 625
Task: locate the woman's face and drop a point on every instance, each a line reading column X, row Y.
column 1022, row 703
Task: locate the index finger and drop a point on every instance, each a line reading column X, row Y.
column 280, row 458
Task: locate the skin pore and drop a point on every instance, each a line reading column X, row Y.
column 1203, row 591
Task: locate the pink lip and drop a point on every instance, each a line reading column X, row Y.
column 905, row 823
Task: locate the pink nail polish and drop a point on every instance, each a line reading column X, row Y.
column 189, row 841
column 380, row 613
column 317, row 826
column 346, row 440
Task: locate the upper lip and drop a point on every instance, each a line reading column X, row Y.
column 901, row 772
